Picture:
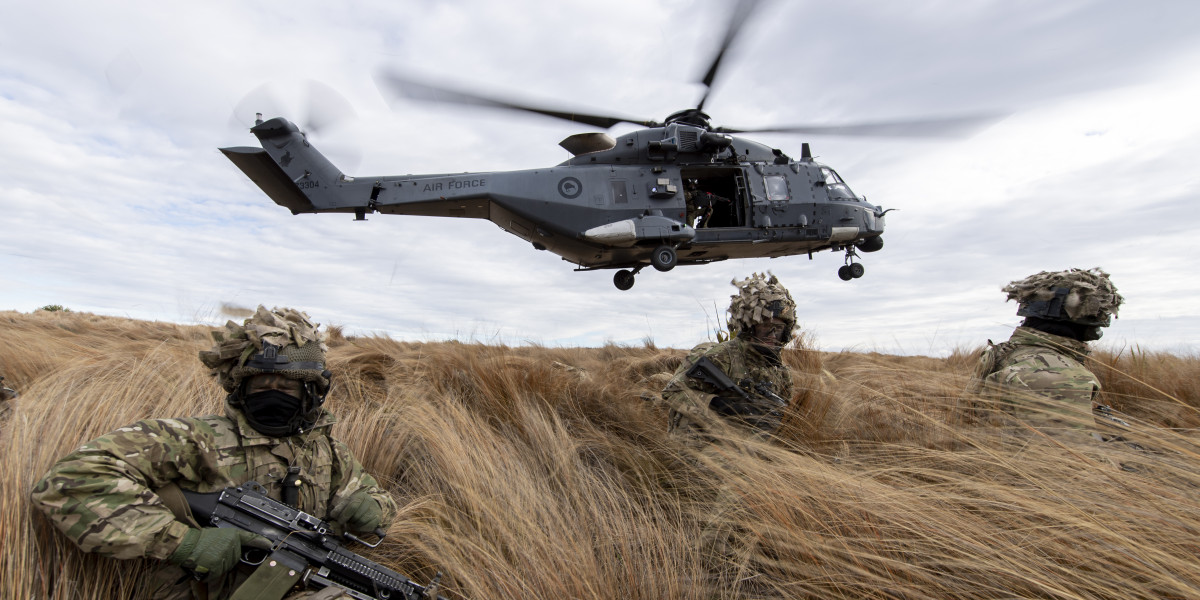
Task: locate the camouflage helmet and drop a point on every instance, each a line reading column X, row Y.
column 759, row 298
column 1075, row 295
column 281, row 340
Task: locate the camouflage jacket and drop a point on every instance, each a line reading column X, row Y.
column 689, row 398
column 102, row 496
column 1040, row 364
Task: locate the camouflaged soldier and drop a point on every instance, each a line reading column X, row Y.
column 762, row 319
column 119, row 495
column 1044, row 358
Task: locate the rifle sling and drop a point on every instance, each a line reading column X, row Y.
column 172, row 496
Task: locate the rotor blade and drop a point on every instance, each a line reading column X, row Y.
column 944, row 127
column 326, row 107
column 314, row 106
column 406, row 87
column 741, row 13
column 264, row 99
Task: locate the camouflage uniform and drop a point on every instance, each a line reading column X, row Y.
column 747, row 363
column 106, row 495
column 1044, row 364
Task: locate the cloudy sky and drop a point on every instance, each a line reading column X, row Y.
column 114, row 198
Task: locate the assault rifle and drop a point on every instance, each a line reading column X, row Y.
column 1104, row 415
column 1105, row 412
column 709, row 373
column 304, row 550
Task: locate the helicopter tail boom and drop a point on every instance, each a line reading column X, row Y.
column 292, row 172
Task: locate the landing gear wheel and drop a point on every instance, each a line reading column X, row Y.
column 844, row 273
column 856, row 270
column 623, row 279
column 664, row 258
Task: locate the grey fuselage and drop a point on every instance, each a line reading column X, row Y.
column 606, row 207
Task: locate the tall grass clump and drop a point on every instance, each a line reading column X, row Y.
column 534, row 472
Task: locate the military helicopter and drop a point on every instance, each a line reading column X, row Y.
column 678, row 192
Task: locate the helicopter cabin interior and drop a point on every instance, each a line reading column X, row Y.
column 716, row 197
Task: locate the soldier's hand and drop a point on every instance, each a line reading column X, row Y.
column 212, row 552
column 362, row 513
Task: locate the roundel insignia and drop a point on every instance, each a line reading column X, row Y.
column 570, row 187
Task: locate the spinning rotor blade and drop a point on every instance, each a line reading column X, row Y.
column 399, row 85
column 326, row 107
column 945, row 127
column 314, row 106
column 741, row 13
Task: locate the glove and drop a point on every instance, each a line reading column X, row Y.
column 362, row 513
column 212, row 552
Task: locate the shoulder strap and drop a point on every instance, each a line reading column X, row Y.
column 172, row 496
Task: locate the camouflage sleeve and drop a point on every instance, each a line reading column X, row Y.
column 349, row 477
column 102, row 495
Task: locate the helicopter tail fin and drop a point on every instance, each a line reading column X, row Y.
column 293, row 173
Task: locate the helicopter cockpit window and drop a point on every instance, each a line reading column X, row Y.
column 837, row 188
column 777, row 188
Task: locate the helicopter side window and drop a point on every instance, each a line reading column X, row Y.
column 837, row 188
column 777, row 188
column 619, row 192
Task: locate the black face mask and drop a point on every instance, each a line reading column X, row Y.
column 1075, row 331
column 273, row 412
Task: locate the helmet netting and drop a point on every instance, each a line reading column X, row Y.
column 1091, row 298
column 760, row 297
column 290, row 330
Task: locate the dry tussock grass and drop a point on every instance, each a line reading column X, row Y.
column 533, row 472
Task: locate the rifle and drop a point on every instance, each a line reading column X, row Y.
column 709, row 373
column 304, row 550
column 1104, row 415
column 1103, row 411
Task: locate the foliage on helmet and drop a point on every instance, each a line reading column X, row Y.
column 293, row 343
column 760, row 297
column 1081, row 296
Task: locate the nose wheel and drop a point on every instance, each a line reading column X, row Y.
column 851, row 270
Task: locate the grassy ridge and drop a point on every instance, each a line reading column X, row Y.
column 532, row 472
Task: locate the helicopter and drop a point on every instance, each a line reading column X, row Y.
column 677, row 192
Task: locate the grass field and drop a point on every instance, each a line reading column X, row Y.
column 534, row 472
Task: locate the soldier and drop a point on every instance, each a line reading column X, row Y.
column 762, row 319
column 1063, row 311
column 700, row 204
column 120, row 495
